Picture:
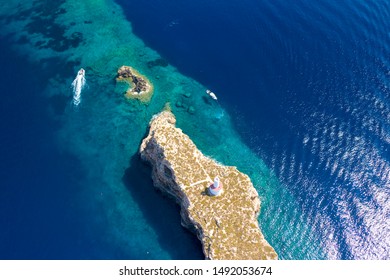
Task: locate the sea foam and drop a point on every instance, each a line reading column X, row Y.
column 78, row 85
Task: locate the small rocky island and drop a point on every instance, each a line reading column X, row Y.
column 226, row 224
column 139, row 86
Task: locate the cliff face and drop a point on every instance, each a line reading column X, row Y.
column 226, row 224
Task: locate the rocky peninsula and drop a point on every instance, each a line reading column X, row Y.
column 139, row 86
column 225, row 224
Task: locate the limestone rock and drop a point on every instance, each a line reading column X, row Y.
column 226, row 225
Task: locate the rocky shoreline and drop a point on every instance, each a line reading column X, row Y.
column 139, row 86
column 227, row 224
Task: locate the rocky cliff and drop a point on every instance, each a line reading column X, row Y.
column 226, row 224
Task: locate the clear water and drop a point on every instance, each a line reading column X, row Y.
column 303, row 110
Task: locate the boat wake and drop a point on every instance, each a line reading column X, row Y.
column 78, row 85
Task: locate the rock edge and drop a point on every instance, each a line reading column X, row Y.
column 139, row 86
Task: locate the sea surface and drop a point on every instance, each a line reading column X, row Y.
column 303, row 109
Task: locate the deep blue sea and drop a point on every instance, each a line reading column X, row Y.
column 305, row 85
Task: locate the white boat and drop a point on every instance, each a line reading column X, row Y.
column 78, row 85
column 211, row 94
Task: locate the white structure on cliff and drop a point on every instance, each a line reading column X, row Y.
column 216, row 188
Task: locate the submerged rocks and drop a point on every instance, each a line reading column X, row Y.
column 186, row 94
column 185, row 105
column 191, row 110
column 227, row 224
column 157, row 62
column 139, row 86
column 179, row 104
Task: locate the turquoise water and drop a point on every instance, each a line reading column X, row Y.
column 119, row 214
